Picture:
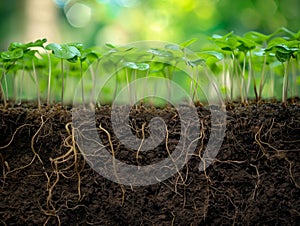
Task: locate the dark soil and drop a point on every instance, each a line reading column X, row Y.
column 255, row 179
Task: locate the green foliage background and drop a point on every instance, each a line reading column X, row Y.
column 124, row 21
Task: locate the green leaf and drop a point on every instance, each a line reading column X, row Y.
column 78, row 45
column 257, row 37
column 130, row 65
column 137, row 66
column 111, row 46
column 283, row 53
column 245, row 44
column 188, row 42
column 194, row 63
column 227, row 42
column 64, row 51
column 215, row 54
column 160, row 53
column 142, row 66
column 18, row 45
column 12, row 55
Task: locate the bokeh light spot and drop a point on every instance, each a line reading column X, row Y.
column 78, row 15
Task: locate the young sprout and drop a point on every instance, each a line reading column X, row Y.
column 8, row 59
column 211, row 58
column 246, row 46
column 134, row 68
column 228, row 44
column 86, row 56
column 64, row 52
column 163, row 59
column 284, row 54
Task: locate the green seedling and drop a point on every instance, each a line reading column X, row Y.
column 211, row 58
column 248, row 64
column 8, row 59
column 116, row 58
column 19, row 53
column 246, row 46
column 228, row 45
column 87, row 56
column 64, row 52
column 134, row 68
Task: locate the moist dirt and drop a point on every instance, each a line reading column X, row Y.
column 254, row 179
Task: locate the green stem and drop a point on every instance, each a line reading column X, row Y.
column 232, row 77
column 49, row 79
column 2, row 90
column 22, row 82
column 285, row 83
column 82, row 84
column 261, row 84
column 62, row 82
column 243, row 85
column 116, row 84
column 128, row 88
column 6, row 86
column 37, row 84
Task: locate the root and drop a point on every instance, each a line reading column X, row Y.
column 61, row 171
column 169, row 153
column 36, row 155
column 13, row 136
column 114, row 163
column 257, row 183
column 143, row 139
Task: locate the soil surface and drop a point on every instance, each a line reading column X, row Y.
column 254, row 179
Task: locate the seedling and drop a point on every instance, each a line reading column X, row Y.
column 247, row 64
column 64, row 52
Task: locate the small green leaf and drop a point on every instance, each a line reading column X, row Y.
column 245, row 44
column 78, row 45
column 142, row 66
column 64, row 51
column 257, row 37
column 111, row 46
column 188, row 42
column 206, row 54
column 137, row 66
column 18, row 45
column 160, row 53
column 12, row 55
column 130, row 65
column 194, row 63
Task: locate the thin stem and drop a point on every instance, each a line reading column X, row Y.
column 224, row 74
column 232, row 77
column 146, row 88
column 37, row 84
column 116, row 84
column 285, row 82
column 243, row 85
column 62, row 81
column 128, row 88
column 82, row 84
column 49, row 79
column 261, row 84
column 2, row 90
column 134, row 87
column 94, row 81
column 6, row 86
column 22, row 82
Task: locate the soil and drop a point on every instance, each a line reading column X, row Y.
column 254, row 180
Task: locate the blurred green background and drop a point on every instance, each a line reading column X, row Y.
column 95, row 22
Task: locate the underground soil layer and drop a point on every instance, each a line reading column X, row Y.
column 45, row 177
